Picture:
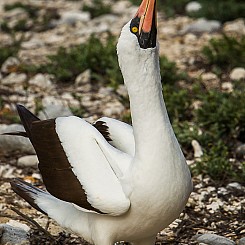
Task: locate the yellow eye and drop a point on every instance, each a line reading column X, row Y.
column 135, row 29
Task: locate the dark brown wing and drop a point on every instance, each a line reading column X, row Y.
column 56, row 171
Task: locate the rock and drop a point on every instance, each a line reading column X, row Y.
column 240, row 152
column 114, row 108
column 222, row 191
column 10, row 64
column 234, row 186
column 71, row 17
column 210, row 80
column 202, row 25
column 241, row 241
column 14, row 78
column 227, row 86
column 197, row 149
column 9, row 143
column 119, row 5
column 83, row 78
column 54, row 110
column 42, row 81
column 17, row 224
column 213, row 239
column 193, row 7
column 27, row 161
column 32, row 44
column 12, row 235
column 237, row 74
column 122, row 90
column 237, row 26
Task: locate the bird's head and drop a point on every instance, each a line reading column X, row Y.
column 141, row 31
column 138, row 41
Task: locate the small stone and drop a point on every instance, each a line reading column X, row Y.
column 213, row 239
column 201, row 26
column 122, row 90
column 209, row 76
column 10, row 64
column 237, row 26
column 12, row 236
column 14, row 78
column 42, row 81
column 83, row 78
column 54, row 110
column 17, row 224
column 27, row 161
column 240, row 152
column 227, row 86
column 193, row 7
column 197, row 149
column 32, row 44
column 9, row 143
column 241, row 241
column 222, row 191
column 237, row 74
column 71, row 17
column 234, row 186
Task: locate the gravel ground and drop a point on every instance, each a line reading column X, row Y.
column 213, row 208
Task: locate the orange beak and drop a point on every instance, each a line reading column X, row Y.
column 147, row 15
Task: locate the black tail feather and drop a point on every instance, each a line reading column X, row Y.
column 27, row 118
column 27, row 192
column 17, row 133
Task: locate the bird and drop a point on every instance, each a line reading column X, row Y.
column 109, row 181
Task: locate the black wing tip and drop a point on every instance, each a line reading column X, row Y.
column 103, row 129
column 26, row 191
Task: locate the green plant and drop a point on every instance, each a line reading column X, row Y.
column 215, row 162
column 31, row 10
column 7, row 51
column 225, row 53
column 97, row 8
column 170, row 74
column 222, row 116
column 100, row 58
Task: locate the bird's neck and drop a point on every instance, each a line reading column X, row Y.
column 152, row 128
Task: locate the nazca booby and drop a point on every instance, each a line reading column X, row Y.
column 109, row 181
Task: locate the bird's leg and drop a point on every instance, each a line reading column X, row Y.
column 145, row 241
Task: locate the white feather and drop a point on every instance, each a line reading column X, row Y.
column 95, row 169
column 121, row 134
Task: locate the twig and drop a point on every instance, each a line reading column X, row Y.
column 33, row 223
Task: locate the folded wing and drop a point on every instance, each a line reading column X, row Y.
column 77, row 164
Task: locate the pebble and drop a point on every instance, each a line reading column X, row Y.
column 193, row 7
column 83, row 78
column 237, row 26
column 42, row 81
column 234, row 186
column 213, row 239
column 202, row 25
column 241, row 241
column 227, row 86
column 14, row 78
column 237, row 74
column 12, row 235
column 54, row 110
column 32, row 44
column 27, row 161
column 197, row 149
column 9, row 64
column 240, row 152
column 71, row 17
column 9, row 143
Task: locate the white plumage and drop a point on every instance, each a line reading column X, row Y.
column 139, row 182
